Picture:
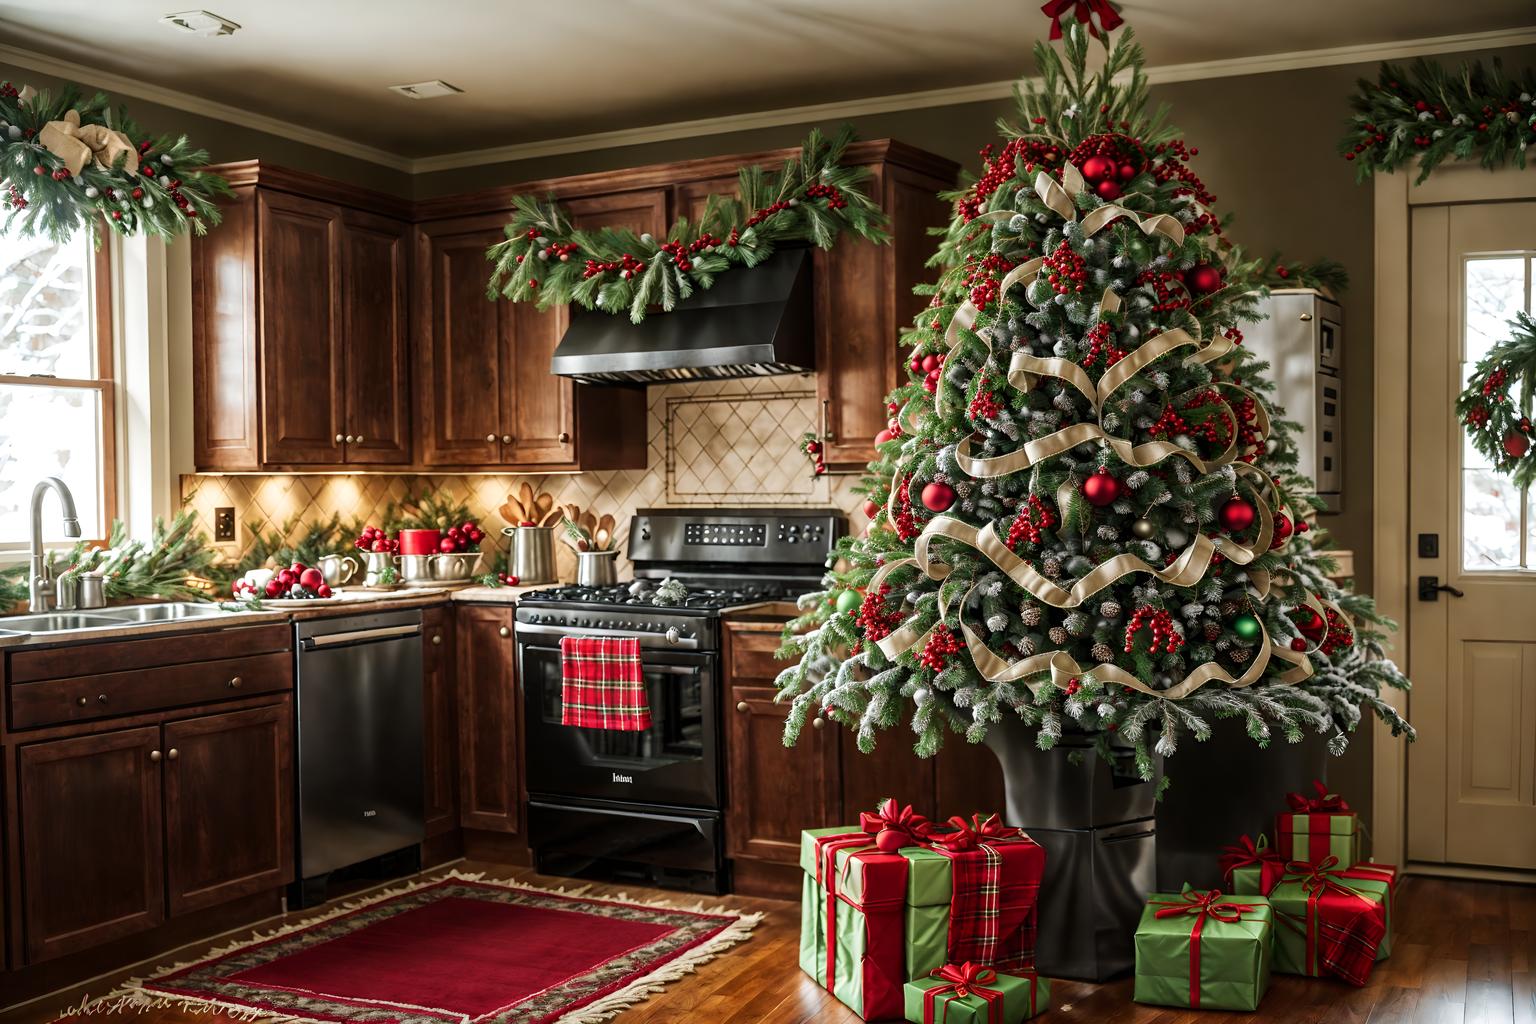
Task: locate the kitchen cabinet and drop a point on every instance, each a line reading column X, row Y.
column 439, row 722
column 299, row 328
column 490, row 756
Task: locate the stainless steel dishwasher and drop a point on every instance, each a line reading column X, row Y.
column 359, row 743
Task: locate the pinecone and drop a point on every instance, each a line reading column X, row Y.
column 1076, row 623
column 1228, row 609
column 1030, row 613
column 1110, row 609
column 1058, row 635
column 1240, row 655
column 1026, row 646
column 1212, row 630
column 1103, row 652
column 1051, row 567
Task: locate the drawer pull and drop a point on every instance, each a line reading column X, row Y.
column 565, row 437
column 504, row 631
column 154, row 755
column 101, row 698
column 172, row 754
column 437, row 638
column 234, row 683
column 743, row 706
column 82, row 701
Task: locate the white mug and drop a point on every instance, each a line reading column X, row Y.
column 259, row 578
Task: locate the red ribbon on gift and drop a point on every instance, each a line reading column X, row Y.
column 963, row 980
column 1347, row 951
column 1083, row 10
column 1201, row 905
column 1246, row 853
column 894, row 827
column 1324, row 803
column 969, row 835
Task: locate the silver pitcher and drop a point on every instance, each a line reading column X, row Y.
column 337, row 569
column 532, row 559
column 597, row 568
column 374, row 563
column 415, row 568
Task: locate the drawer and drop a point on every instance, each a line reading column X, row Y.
column 107, row 694
column 27, row 665
column 752, row 651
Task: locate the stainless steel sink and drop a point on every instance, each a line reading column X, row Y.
column 106, row 618
column 59, row 622
column 157, row 612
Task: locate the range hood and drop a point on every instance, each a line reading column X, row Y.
column 752, row 323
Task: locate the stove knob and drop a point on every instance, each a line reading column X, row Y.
column 673, row 636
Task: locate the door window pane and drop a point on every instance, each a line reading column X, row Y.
column 45, row 307
column 49, row 431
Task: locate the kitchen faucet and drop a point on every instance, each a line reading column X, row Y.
column 40, row 592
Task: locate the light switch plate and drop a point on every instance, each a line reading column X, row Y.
column 224, row 525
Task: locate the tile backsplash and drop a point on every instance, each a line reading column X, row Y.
column 716, row 443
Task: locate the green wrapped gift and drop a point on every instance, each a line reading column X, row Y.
column 1317, row 827
column 1204, row 950
column 971, row 994
column 1250, row 868
column 1330, row 922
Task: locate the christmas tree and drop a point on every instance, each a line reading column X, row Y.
column 1084, row 509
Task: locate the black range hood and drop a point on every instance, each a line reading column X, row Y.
column 752, row 323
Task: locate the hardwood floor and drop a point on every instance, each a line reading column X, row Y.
column 1463, row 952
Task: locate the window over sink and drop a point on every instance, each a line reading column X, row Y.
column 56, row 381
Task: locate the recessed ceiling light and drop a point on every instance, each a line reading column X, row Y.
column 200, row 23
column 426, row 90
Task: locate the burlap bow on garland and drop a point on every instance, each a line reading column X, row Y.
column 70, row 163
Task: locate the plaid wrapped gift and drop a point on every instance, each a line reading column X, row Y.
column 994, row 904
column 602, row 683
column 1381, row 878
column 972, row 994
column 1204, row 950
column 1318, row 826
column 1328, row 921
column 1251, row 868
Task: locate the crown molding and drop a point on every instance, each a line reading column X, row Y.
column 839, row 110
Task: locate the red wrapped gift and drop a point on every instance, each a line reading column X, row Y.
column 1324, row 924
column 996, row 883
column 1256, row 861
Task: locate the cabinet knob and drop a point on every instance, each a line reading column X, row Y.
column 491, row 438
column 504, row 631
column 359, row 438
column 349, row 439
column 234, row 682
column 101, row 698
column 506, row 438
column 338, row 439
column 437, row 638
column 818, row 722
column 172, row 754
column 82, row 702
column 743, row 706
column 565, row 437
column 154, row 755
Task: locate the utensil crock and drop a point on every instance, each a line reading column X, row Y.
column 533, row 553
column 597, row 568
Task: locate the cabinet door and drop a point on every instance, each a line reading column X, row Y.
column 463, row 386
column 377, row 410
column 775, row 791
column 691, row 197
column 91, row 863
column 490, row 764
column 228, row 805
column 300, row 314
column 439, row 722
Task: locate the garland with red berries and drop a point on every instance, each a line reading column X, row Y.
column 1488, row 411
column 68, row 163
column 1427, row 113
column 812, row 199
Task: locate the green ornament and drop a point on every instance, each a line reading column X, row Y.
column 849, row 601
column 1247, row 627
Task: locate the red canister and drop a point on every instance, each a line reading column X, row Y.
column 419, row 542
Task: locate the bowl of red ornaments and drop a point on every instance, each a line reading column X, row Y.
column 296, row 584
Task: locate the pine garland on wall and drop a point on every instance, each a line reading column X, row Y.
column 69, row 162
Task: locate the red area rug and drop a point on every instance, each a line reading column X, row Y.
column 461, row 950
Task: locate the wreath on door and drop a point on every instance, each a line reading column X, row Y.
column 1498, row 423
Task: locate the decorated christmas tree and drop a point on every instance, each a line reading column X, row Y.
column 1086, row 511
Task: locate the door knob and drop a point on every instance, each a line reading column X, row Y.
column 154, row 755
column 565, row 437
column 491, row 438
column 1430, row 587
column 504, row 631
column 172, row 754
column 743, row 706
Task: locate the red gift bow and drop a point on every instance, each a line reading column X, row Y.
column 963, row 980
column 1324, row 803
column 1083, row 10
column 968, row 835
column 894, row 827
column 1246, row 853
column 1201, row 905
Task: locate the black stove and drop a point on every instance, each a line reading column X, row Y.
column 645, row 805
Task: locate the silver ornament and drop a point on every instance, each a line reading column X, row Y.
column 1143, row 529
column 921, row 695
column 147, row 203
column 13, row 131
column 91, row 192
column 647, row 238
column 167, row 159
column 165, row 181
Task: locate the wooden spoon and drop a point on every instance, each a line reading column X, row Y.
column 512, row 511
column 604, row 533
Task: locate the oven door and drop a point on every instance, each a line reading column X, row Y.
column 674, row 762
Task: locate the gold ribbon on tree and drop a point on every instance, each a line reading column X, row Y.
column 78, row 144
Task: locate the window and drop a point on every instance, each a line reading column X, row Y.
column 56, row 387
column 1498, row 520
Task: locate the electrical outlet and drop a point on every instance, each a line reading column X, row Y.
column 224, row 525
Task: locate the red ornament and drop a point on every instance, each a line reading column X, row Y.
column 884, row 436
column 1108, row 190
column 1516, row 444
column 938, row 496
column 1312, row 625
column 1236, row 514
column 870, row 509
column 1097, row 168
column 1203, row 279
column 930, row 363
column 1282, row 530
column 1102, row 489
column 1127, row 172
column 1298, row 644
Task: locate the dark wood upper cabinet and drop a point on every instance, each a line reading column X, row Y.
column 90, row 834
column 439, row 724
column 490, row 758
column 375, row 264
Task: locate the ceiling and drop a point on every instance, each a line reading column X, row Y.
column 539, row 71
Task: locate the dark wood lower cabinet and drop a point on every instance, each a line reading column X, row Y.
column 91, row 832
column 440, row 725
column 775, row 791
column 490, row 757
column 228, row 805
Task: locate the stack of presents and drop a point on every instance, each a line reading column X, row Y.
column 907, row 919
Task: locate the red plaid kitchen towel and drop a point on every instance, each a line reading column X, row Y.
column 602, row 684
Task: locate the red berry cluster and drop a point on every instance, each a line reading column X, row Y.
column 374, row 539
column 999, row 170
column 1169, row 298
column 1164, row 636
column 1067, row 270
column 506, row 579
column 931, row 366
column 1248, row 442
column 1234, row 335
column 766, row 212
column 464, row 537
column 1099, row 343
column 905, row 522
column 1073, row 685
column 1495, row 382
column 1214, row 425
column 873, row 619
column 830, row 193
column 1477, row 416
column 984, row 406
column 561, row 251
column 1339, row 636
column 627, row 266
column 9, row 91
column 984, row 279
column 1108, row 162
column 814, row 449
column 1170, row 166
column 940, row 646
column 15, row 197
column 1030, row 522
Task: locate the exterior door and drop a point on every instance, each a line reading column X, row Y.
column 1472, row 653
column 377, row 406
column 90, row 826
column 228, row 805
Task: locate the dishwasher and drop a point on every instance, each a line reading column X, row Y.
column 360, row 780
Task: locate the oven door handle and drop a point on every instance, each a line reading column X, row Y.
column 686, row 643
